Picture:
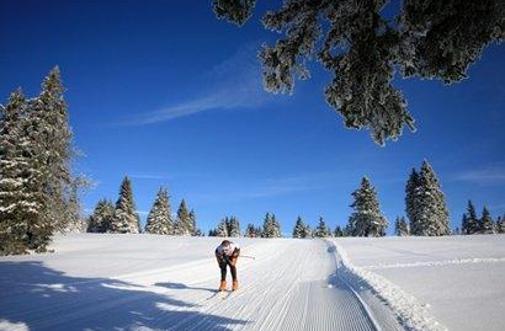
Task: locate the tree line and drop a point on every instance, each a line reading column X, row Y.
column 122, row 217
column 425, row 206
column 39, row 194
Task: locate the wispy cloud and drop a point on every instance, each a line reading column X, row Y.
column 486, row 176
column 235, row 83
column 270, row 187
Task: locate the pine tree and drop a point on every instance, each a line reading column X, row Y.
column 470, row 222
column 430, row 215
column 222, row 228
column 410, row 198
column 125, row 220
column 299, row 229
column 159, row 219
column 486, row 224
column 500, row 224
column 250, row 231
column 233, row 226
column 367, row 45
column 184, row 222
column 338, row 232
column 53, row 139
column 22, row 222
column 101, row 219
column 322, row 230
column 367, row 219
column 271, row 227
column 401, row 227
column 196, row 231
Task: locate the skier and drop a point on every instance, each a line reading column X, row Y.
column 227, row 254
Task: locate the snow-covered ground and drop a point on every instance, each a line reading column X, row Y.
column 456, row 281
column 148, row 282
column 143, row 282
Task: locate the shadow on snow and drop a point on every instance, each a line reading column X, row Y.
column 47, row 299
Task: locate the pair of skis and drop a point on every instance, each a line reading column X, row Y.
column 222, row 294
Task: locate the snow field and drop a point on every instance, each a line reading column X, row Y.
column 453, row 282
column 149, row 282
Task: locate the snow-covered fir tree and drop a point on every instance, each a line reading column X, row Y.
column 271, row 227
column 252, row 231
column 429, row 216
column 500, row 224
column 401, row 227
column 367, row 218
column 233, row 226
column 299, row 231
column 338, row 232
column 101, row 219
column 126, row 219
column 322, row 230
column 53, row 138
column 410, row 196
column 366, row 45
column 470, row 221
column 184, row 222
column 159, row 219
column 21, row 197
column 196, row 231
column 486, row 224
column 222, row 228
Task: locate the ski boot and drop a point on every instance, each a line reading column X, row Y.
column 235, row 285
column 222, row 286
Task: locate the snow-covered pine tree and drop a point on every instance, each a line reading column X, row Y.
column 500, row 224
column 307, row 231
column 233, row 227
column 322, row 230
column 472, row 221
column 52, row 137
column 367, row 45
column 299, row 229
column 196, row 231
column 276, row 227
column 159, row 219
column 486, row 224
column 431, row 217
column 125, row 220
column 184, row 223
column 22, row 221
column 367, row 218
column 410, row 198
column 222, row 228
column 271, row 227
column 338, row 232
column 249, row 231
column 464, row 224
column 101, row 219
column 401, row 227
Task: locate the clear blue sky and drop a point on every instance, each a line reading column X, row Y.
column 164, row 92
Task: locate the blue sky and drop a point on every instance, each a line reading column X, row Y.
column 164, row 92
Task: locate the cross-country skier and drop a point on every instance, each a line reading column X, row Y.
column 227, row 254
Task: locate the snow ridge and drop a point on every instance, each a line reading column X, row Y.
column 436, row 263
column 412, row 314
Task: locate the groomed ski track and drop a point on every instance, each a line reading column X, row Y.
column 152, row 283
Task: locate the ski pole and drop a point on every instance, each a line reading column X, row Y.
column 248, row 257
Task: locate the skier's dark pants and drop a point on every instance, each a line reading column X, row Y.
column 233, row 269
